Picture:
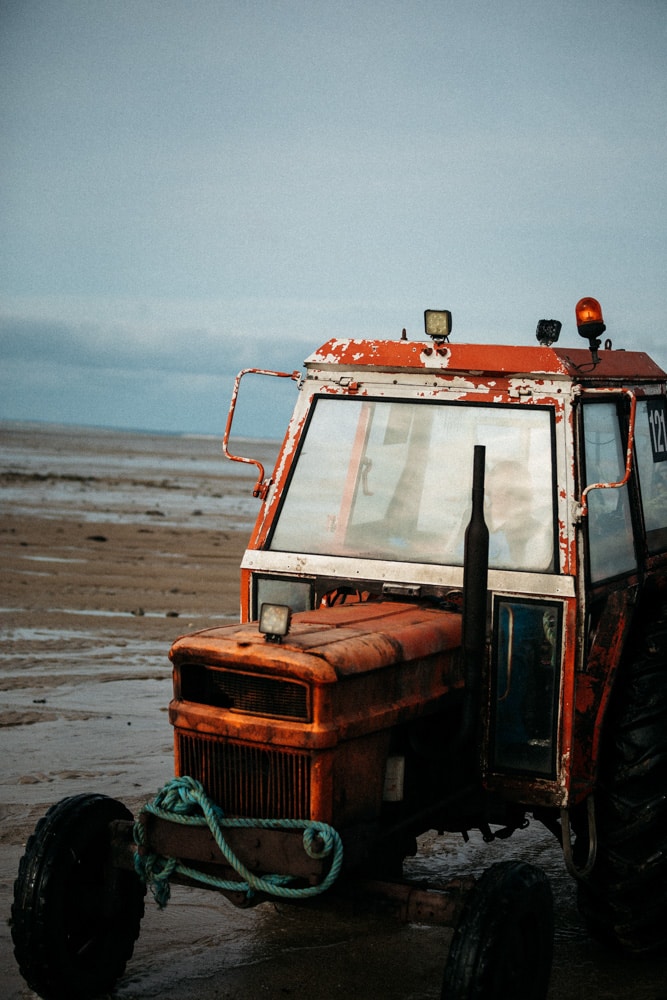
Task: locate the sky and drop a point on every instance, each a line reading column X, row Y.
column 193, row 187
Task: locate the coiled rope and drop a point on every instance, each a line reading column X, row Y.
column 183, row 800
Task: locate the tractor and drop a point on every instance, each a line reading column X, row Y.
column 453, row 617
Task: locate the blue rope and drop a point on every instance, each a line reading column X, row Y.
column 183, row 800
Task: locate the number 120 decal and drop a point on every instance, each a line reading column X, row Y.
column 658, row 428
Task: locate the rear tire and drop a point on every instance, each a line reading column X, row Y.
column 503, row 943
column 75, row 917
column 624, row 899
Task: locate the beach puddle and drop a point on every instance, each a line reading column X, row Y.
column 53, row 559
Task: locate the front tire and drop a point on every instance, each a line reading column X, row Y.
column 624, row 899
column 75, row 917
column 503, row 943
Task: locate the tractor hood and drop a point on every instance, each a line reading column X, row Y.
column 326, row 645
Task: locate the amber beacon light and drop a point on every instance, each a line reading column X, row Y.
column 590, row 323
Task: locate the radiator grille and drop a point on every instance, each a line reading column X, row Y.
column 244, row 692
column 246, row 780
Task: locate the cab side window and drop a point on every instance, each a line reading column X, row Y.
column 651, row 456
column 610, row 536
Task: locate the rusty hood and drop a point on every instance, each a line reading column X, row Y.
column 330, row 643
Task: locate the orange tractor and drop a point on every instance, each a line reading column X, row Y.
column 453, row 617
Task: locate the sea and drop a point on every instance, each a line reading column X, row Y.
column 72, row 471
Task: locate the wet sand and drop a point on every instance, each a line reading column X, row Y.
column 111, row 545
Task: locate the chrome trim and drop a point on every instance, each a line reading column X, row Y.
column 427, row 574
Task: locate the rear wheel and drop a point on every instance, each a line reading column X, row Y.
column 75, row 917
column 503, row 943
column 624, row 899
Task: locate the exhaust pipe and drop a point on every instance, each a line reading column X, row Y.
column 475, row 585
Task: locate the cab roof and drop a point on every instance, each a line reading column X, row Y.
column 574, row 364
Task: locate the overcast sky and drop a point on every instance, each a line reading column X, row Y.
column 191, row 187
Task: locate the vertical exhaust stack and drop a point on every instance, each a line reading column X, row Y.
column 475, row 580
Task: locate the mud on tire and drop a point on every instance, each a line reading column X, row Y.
column 75, row 918
column 624, row 899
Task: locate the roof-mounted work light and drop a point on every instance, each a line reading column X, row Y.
column 438, row 323
column 590, row 324
column 548, row 331
column 274, row 621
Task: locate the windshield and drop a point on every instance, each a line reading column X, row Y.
column 393, row 480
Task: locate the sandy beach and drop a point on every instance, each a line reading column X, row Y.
column 107, row 556
column 112, row 545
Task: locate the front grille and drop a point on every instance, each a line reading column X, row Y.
column 246, row 780
column 243, row 692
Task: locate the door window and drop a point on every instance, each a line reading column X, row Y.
column 651, row 456
column 610, row 537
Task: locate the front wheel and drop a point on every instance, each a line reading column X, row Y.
column 503, row 943
column 75, row 917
